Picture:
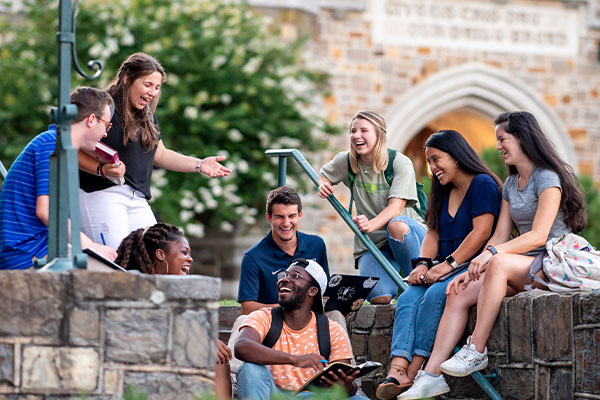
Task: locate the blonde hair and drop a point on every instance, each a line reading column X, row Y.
column 380, row 156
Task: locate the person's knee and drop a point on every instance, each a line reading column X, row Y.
column 397, row 230
column 495, row 267
column 249, row 373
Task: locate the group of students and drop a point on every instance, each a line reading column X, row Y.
column 471, row 218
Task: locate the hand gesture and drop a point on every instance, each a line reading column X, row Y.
column 478, row 265
column 211, row 167
column 311, row 360
column 417, row 275
column 436, row 272
column 459, row 280
column 325, row 190
column 106, row 251
column 223, row 353
column 114, row 170
column 335, row 376
column 362, row 223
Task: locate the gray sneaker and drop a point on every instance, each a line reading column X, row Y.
column 425, row 386
column 466, row 361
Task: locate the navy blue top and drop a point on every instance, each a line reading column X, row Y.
column 482, row 197
column 258, row 281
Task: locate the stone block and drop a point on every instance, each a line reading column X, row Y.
column 379, row 346
column 365, row 317
column 6, row 363
column 194, row 287
column 497, row 339
column 228, row 315
column 83, row 326
column 112, row 285
column 193, row 341
column 162, row 385
column 359, row 344
column 552, row 331
column 136, row 335
column 590, row 308
column 31, row 303
column 384, row 315
column 587, row 360
column 561, row 383
column 464, row 388
column 518, row 312
column 112, row 382
column 59, row 369
column 516, row 384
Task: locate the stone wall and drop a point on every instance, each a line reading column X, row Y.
column 544, row 346
column 65, row 335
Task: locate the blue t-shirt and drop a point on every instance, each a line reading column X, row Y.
column 482, row 197
column 22, row 234
column 258, row 281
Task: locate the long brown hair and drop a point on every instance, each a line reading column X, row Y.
column 380, row 156
column 134, row 121
column 536, row 146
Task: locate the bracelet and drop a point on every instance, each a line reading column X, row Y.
column 422, row 261
column 99, row 170
column 198, row 164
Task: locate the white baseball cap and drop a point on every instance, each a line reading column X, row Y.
column 316, row 271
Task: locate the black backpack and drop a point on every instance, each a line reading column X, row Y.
column 322, row 331
column 420, row 208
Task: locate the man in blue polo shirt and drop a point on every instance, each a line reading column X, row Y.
column 275, row 253
column 24, row 199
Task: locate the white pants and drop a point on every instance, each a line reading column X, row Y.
column 114, row 212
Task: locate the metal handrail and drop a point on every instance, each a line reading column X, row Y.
column 2, row 171
column 283, row 154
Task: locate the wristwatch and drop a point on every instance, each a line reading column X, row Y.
column 492, row 250
column 450, row 260
column 99, row 169
column 198, row 164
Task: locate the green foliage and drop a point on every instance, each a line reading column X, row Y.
column 233, row 87
column 592, row 200
column 132, row 393
column 494, row 161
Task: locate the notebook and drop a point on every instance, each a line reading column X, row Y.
column 347, row 293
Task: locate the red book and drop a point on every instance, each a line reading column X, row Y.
column 105, row 154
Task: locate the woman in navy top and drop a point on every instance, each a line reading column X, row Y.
column 464, row 204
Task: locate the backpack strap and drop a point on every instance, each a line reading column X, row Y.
column 275, row 329
column 351, row 177
column 277, row 325
column 323, row 335
column 389, row 169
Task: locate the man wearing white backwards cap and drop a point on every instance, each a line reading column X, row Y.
column 296, row 354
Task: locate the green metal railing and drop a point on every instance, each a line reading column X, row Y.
column 64, row 171
column 2, row 171
column 283, row 154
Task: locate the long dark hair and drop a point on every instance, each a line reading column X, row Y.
column 133, row 121
column 137, row 251
column 453, row 143
column 536, row 146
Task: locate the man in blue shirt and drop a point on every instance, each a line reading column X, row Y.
column 24, row 199
column 275, row 253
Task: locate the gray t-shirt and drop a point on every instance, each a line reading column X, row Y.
column 524, row 203
column 372, row 192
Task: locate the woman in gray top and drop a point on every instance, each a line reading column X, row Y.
column 541, row 200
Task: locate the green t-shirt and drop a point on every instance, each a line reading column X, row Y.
column 372, row 192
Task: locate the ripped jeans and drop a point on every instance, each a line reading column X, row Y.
column 398, row 253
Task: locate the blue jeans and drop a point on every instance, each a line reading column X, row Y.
column 398, row 253
column 418, row 313
column 256, row 383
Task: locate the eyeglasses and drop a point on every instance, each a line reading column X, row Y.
column 290, row 275
column 106, row 123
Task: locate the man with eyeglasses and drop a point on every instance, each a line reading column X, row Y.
column 24, row 198
column 296, row 355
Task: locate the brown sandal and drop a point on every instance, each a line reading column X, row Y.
column 390, row 388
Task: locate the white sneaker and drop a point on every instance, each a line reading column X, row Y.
column 466, row 361
column 425, row 386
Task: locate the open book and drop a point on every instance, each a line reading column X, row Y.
column 315, row 380
column 103, row 153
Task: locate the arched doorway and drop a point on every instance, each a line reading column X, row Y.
column 464, row 98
